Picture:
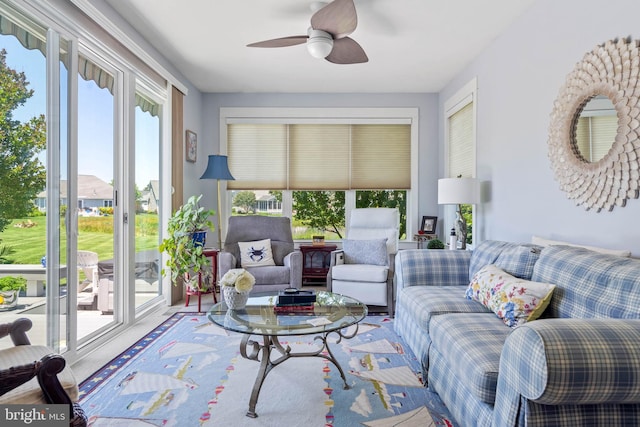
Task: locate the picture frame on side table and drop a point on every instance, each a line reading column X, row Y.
column 429, row 224
column 191, row 146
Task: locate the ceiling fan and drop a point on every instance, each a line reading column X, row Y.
column 326, row 38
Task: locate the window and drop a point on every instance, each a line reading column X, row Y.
column 596, row 128
column 460, row 147
column 319, row 168
column 319, row 156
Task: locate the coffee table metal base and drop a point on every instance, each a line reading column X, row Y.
column 261, row 352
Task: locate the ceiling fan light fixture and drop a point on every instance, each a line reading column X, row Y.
column 319, row 44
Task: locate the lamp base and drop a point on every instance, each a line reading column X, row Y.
column 461, row 228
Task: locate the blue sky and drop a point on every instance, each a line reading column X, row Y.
column 95, row 119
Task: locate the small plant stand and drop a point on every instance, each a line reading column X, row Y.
column 213, row 254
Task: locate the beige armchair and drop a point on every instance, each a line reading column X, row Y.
column 363, row 268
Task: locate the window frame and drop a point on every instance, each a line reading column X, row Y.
column 328, row 116
column 467, row 94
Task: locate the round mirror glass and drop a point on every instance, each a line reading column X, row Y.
column 596, row 129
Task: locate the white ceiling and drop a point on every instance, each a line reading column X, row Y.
column 412, row 45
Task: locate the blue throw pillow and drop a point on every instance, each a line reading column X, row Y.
column 519, row 260
column 373, row 252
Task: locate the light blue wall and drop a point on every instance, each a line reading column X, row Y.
column 519, row 77
column 428, row 128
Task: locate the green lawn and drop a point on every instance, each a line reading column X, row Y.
column 96, row 234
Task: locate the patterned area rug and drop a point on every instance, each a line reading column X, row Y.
column 188, row 372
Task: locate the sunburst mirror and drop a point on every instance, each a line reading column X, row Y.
column 594, row 135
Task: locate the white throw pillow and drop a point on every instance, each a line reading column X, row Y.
column 546, row 242
column 256, row 254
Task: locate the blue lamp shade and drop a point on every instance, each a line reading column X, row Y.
column 217, row 168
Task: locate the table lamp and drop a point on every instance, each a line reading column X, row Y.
column 218, row 169
column 458, row 191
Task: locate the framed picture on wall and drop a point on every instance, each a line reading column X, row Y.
column 429, row 224
column 191, row 146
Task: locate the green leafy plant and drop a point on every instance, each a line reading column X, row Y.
column 435, row 244
column 185, row 253
column 13, row 283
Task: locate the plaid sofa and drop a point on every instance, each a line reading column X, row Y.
column 579, row 364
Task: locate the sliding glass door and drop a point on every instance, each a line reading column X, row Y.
column 146, row 281
column 95, row 207
column 79, row 196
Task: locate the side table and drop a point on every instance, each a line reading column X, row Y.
column 213, row 254
column 315, row 261
column 421, row 238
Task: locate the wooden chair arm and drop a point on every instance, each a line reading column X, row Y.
column 17, row 330
column 15, row 376
column 51, row 366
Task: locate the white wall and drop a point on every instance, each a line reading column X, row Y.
column 519, row 77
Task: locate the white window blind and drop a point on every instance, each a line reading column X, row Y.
column 319, row 156
column 460, row 142
column 595, row 136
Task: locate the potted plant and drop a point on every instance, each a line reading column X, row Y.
column 185, row 242
column 10, row 287
column 435, row 244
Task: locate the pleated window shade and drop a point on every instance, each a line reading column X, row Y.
column 460, row 142
column 319, row 156
column 381, row 157
column 257, row 156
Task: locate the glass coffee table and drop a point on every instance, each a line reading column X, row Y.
column 331, row 313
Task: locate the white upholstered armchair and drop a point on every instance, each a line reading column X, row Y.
column 363, row 268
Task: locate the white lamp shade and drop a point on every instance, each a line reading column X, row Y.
column 455, row 191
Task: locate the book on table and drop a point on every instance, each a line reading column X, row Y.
column 294, row 296
column 295, row 308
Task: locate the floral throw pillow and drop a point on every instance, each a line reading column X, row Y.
column 516, row 301
column 256, row 254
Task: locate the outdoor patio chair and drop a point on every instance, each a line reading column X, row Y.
column 87, row 261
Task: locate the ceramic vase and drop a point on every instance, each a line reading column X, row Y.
column 235, row 300
column 8, row 300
